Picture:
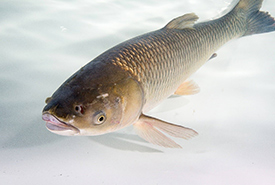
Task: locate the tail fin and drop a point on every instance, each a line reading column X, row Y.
column 257, row 21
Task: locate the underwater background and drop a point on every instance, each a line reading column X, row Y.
column 44, row 42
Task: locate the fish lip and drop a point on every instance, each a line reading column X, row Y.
column 54, row 124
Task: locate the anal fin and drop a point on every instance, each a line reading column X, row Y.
column 187, row 88
column 150, row 128
column 213, row 56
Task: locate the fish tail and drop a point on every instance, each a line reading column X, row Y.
column 256, row 21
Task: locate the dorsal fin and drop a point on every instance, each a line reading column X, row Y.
column 184, row 21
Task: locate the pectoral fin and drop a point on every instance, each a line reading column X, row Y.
column 187, row 88
column 150, row 129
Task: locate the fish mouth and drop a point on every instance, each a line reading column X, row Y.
column 57, row 126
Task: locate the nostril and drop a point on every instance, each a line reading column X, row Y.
column 79, row 109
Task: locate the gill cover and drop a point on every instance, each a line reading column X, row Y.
column 114, row 106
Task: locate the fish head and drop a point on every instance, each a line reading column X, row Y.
column 95, row 109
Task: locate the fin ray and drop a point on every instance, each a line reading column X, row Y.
column 152, row 135
column 256, row 21
column 187, row 88
column 184, row 21
column 172, row 129
column 149, row 129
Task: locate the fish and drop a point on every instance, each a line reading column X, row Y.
column 118, row 88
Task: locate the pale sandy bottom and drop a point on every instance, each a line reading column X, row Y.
column 44, row 42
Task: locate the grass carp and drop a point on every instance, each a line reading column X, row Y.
column 119, row 86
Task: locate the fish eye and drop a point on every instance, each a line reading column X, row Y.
column 79, row 109
column 100, row 118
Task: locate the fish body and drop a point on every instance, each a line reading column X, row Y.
column 116, row 88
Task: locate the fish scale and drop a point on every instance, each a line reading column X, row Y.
column 173, row 55
column 168, row 55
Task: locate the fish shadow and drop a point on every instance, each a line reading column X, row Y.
column 29, row 135
column 126, row 142
column 33, row 134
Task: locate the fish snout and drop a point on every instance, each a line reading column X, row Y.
column 48, row 100
column 57, row 108
column 49, row 104
column 57, row 126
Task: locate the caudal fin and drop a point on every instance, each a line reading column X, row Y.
column 257, row 21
